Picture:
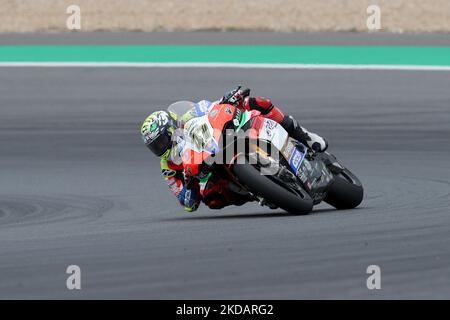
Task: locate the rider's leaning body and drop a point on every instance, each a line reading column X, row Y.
column 160, row 135
column 172, row 168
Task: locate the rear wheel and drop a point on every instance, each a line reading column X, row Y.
column 285, row 197
column 346, row 192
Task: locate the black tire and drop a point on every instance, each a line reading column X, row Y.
column 263, row 186
column 346, row 192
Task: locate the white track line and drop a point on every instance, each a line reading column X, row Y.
column 224, row 65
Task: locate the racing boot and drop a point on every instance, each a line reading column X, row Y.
column 312, row 140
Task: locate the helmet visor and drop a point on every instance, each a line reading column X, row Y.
column 161, row 144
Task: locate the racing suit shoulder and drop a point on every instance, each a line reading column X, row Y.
column 200, row 109
column 191, row 114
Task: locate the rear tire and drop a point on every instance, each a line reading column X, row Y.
column 346, row 192
column 263, row 186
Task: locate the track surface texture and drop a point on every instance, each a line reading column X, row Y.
column 78, row 187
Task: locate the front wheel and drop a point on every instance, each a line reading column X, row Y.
column 292, row 201
column 346, row 192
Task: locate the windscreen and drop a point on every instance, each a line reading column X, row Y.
column 181, row 107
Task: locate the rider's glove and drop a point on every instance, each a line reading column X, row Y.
column 190, row 199
column 190, row 194
column 235, row 97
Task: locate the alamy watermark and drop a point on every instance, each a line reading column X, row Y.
column 373, row 21
column 374, row 280
column 73, row 282
column 73, row 22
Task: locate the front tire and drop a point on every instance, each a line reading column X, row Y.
column 346, row 192
column 273, row 192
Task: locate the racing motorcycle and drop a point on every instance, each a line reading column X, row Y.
column 269, row 166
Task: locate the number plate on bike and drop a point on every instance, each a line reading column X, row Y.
column 296, row 159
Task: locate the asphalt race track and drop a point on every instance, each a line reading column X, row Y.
column 77, row 186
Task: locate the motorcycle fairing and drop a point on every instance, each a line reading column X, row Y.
column 203, row 135
column 274, row 133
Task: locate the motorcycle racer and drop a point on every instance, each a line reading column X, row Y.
column 160, row 134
